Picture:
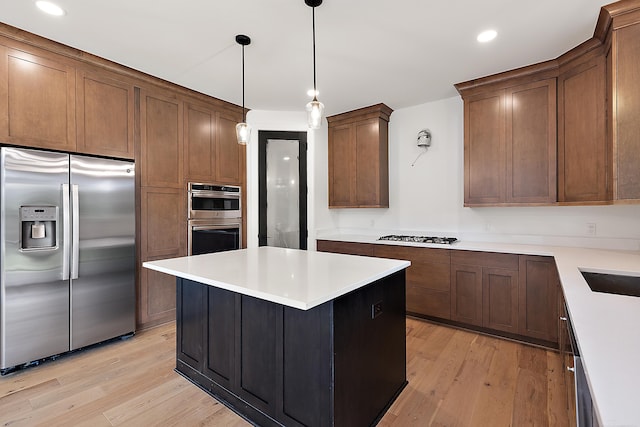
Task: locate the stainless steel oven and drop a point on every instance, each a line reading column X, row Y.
column 214, row 222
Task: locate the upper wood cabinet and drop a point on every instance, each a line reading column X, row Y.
column 161, row 139
column 624, row 130
column 584, row 155
column 510, row 142
column 38, row 100
column 212, row 153
column 358, row 158
column 105, row 114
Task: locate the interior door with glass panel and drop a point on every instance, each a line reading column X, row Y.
column 283, row 189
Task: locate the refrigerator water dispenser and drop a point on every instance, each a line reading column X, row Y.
column 38, row 228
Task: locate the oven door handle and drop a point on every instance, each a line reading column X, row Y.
column 213, row 227
column 208, row 195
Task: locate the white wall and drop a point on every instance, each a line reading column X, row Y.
column 428, row 197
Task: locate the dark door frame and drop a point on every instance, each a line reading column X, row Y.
column 263, row 138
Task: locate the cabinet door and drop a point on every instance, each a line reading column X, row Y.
column 162, row 235
column 348, row 248
column 104, row 115
column 199, row 144
column 38, row 96
column 371, row 165
column 428, row 279
column 466, row 294
column 531, row 142
column 219, row 363
column 342, row 164
column 484, row 149
column 256, row 351
column 190, row 319
column 625, row 53
column 539, row 284
column 500, row 299
column 583, row 155
column 229, row 154
column 161, row 139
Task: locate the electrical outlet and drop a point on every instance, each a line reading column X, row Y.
column 591, row 229
column 376, row 309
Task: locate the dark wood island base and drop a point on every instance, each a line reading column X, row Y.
column 341, row 363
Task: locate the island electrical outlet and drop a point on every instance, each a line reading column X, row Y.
column 376, row 309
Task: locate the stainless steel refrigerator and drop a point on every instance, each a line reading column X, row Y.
column 67, row 265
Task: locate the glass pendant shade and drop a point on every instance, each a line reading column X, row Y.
column 243, row 133
column 315, row 109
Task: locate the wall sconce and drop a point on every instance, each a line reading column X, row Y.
column 423, row 140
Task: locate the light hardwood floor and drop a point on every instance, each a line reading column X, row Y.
column 456, row 378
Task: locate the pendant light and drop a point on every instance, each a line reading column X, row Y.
column 243, row 131
column 315, row 108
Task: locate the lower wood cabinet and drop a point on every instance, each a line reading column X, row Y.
column 428, row 278
column 506, row 294
column 484, row 290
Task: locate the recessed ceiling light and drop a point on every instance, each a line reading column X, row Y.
column 310, row 92
column 486, row 36
column 50, row 8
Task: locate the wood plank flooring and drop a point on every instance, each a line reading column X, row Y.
column 456, row 378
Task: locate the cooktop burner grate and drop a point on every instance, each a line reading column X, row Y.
column 420, row 239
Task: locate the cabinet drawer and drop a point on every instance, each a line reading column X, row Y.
column 348, row 248
column 485, row 259
column 414, row 254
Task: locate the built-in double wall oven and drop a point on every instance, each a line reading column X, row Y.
column 214, row 220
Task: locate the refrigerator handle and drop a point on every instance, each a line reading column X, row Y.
column 66, row 227
column 75, row 218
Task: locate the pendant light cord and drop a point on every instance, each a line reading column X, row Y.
column 244, row 118
column 313, row 20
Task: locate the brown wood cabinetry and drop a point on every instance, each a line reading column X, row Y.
column 163, row 235
column 348, row 248
column 212, row 153
column 624, row 58
column 539, row 285
column 584, row 155
column 484, row 290
column 428, row 280
column 510, row 141
column 358, row 158
column 38, row 100
column 161, row 139
column 105, row 114
column 504, row 294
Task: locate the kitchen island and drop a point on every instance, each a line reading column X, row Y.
column 290, row 337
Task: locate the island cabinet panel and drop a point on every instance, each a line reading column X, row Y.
column 105, row 114
column 38, row 100
column 341, row 363
column 539, row 286
column 584, row 155
column 428, row 278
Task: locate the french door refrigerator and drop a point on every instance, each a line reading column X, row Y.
column 67, row 265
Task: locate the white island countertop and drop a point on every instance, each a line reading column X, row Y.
column 291, row 277
column 606, row 326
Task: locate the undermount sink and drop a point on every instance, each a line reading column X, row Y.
column 613, row 283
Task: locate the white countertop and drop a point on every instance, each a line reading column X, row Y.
column 295, row 278
column 607, row 326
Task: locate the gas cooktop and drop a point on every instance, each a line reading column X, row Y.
column 420, row 239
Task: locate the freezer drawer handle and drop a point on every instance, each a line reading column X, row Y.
column 76, row 231
column 66, row 226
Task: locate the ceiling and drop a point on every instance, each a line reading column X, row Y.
column 401, row 52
